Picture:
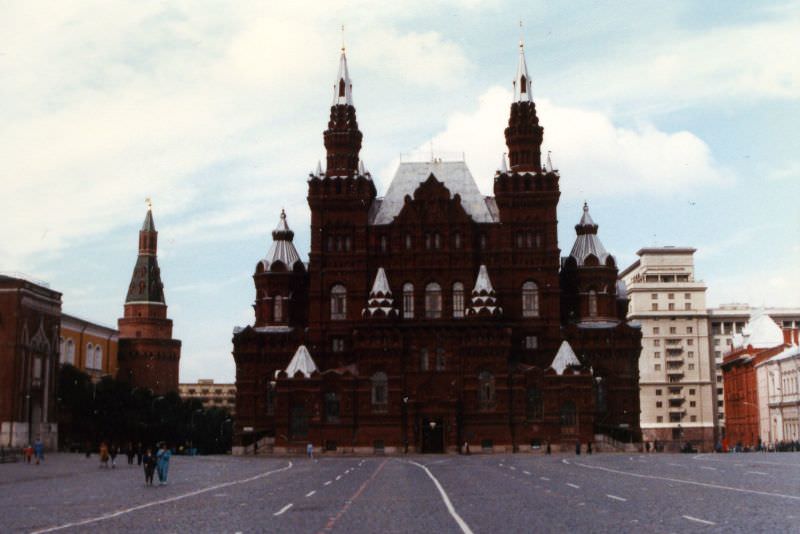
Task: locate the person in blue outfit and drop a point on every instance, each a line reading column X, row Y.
column 163, row 457
column 38, row 450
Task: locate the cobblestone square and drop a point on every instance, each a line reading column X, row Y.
column 435, row 493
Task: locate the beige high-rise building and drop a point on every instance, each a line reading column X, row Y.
column 677, row 379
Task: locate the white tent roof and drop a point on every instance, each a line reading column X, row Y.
column 301, row 361
column 762, row 332
column 564, row 358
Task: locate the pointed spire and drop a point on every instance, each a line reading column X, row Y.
column 282, row 249
column 503, row 167
column 318, row 171
column 587, row 242
column 361, row 170
column 549, row 162
column 522, row 82
column 484, row 300
column 586, row 219
column 146, row 283
column 565, row 357
column 381, row 302
column 343, row 88
column 301, row 362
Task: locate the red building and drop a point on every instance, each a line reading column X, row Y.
column 761, row 339
column 30, row 317
column 148, row 356
column 434, row 316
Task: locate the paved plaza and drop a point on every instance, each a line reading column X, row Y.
column 478, row 493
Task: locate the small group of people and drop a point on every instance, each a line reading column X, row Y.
column 34, row 451
column 156, row 463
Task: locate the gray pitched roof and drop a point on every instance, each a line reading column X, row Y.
column 282, row 248
column 453, row 174
column 587, row 242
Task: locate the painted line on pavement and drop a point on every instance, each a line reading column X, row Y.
column 459, row 521
column 544, row 478
column 690, row 482
column 162, row 501
column 698, row 520
column 675, row 465
column 571, row 485
column 512, row 467
column 616, row 498
column 709, row 459
column 328, row 483
column 338, row 477
column 755, row 473
column 284, row 509
column 527, row 472
column 349, row 502
column 310, row 493
column 708, row 468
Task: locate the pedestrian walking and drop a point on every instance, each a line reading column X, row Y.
column 310, row 451
column 103, row 454
column 139, row 454
column 466, row 447
column 163, row 456
column 547, row 450
column 28, row 451
column 577, row 448
column 129, row 452
column 38, row 450
column 589, row 448
column 149, row 460
column 113, row 451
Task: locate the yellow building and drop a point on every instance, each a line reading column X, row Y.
column 210, row 394
column 88, row 346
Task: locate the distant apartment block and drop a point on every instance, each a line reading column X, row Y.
column 677, row 394
column 210, row 394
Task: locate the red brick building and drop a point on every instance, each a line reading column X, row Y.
column 148, row 355
column 30, row 315
column 434, row 316
column 761, row 339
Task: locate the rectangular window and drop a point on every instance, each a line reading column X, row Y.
column 691, row 391
column 658, row 367
column 658, row 392
column 687, row 306
column 656, row 330
column 690, row 342
column 687, row 296
column 693, row 418
column 337, row 344
column 531, row 342
column 654, row 306
column 656, row 354
column 656, row 342
column 689, row 330
column 691, row 367
column 691, row 354
column 660, row 419
column 671, row 296
column 692, row 404
column 716, row 342
column 654, row 296
column 659, row 404
column 673, row 330
column 671, row 306
column 423, row 359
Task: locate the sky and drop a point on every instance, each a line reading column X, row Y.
column 676, row 121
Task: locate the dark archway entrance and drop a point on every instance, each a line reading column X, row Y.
column 432, row 435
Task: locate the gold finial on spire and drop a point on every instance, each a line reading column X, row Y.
column 149, row 203
column 521, row 42
column 342, row 38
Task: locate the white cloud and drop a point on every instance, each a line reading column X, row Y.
column 677, row 68
column 594, row 156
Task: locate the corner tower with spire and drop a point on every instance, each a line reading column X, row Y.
column 148, row 355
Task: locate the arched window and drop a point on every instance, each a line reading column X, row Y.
column 277, row 309
column 592, row 303
column 62, row 350
column 380, row 392
column 568, row 414
column 270, row 398
column 458, row 300
column 457, row 240
column 428, row 241
column 440, row 362
column 408, row 301
column 423, row 359
column 433, row 301
column 408, row 241
column 530, row 299
column 330, row 243
column 338, row 302
column 520, row 239
column 347, row 243
column 437, row 240
column 600, row 394
column 384, row 243
column 486, row 390
column 88, row 358
column 98, row 357
column 483, row 241
column 533, row 407
column 70, row 348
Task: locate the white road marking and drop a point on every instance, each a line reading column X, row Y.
column 282, row 510
column 708, row 468
column 527, row 472
column 698, row 520
column 755, row 473
column 310, row 493
column 544, row 478
column 459, row 521
column 328, row 483
column 573, row 485
column 565, row 461
column 675, row 465
column 338, row 477
column 500, row 465
column 616, row 498
column 162, row 501
column 690, row 482
column 512, row 467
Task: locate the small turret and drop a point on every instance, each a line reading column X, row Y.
column 342, row 138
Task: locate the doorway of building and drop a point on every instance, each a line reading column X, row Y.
column 432, row 435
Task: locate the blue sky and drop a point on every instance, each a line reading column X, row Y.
column 677, row 121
